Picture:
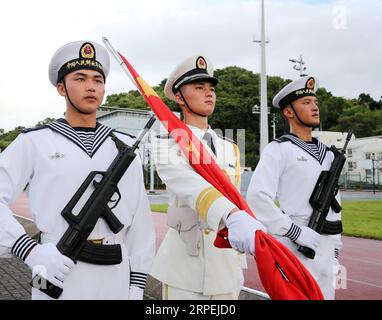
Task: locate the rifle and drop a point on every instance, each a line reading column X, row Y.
column 324, row 193
column 74, row 243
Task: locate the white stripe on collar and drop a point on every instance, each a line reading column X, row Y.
column 101, row 134
column 304, row 146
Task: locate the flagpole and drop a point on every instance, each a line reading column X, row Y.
column 119, row 60
column 263, row 88
column 152, row 119
column 274, row 261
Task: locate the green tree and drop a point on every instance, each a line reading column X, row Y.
column 134, row 100
column 45, row 121
column 238, row 92
column 7, row 137
column 366, row 100
column 361, row 120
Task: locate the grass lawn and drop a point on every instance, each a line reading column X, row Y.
column 362, row 218
column 159, row 207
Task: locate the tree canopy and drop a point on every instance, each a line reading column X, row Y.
column 237, row 93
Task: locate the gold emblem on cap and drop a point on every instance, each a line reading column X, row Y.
column 201, row 63
column 87, row 51
column 310, row 83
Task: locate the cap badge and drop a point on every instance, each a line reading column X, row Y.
column 310, row 84
column 201, row 63
column 87, row 51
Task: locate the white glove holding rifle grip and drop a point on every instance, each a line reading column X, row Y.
column 49, row 263
column 241, row 231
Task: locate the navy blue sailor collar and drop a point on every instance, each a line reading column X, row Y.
column 101, row 133
column 319, row 154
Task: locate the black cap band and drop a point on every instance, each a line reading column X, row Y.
column 296, row 95
column 86, row 60
column 78, row 64
column 193, row 75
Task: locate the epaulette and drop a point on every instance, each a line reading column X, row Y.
column 34, row 128
column 164, row 136
column 226, row 139
column 126, row 134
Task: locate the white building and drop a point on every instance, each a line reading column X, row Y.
column 363, row 154
column 132, row 121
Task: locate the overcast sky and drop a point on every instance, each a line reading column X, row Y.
column 340, row 41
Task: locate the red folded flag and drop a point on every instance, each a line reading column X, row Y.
column 283, row 276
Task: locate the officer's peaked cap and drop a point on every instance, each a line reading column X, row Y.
column 192, row 69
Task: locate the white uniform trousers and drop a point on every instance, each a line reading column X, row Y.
column 324, row 267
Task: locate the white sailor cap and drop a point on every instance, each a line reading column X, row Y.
column 78, row 55
column 192, row 69
column 302, row 87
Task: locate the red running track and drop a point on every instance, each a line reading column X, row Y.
column 361, row 261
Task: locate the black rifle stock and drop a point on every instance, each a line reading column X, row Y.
column 74, row 243
column 324, row 193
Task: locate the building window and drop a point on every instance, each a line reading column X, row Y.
column 352, row 165
column 350, row 153
column 368, row 155
column 379, row 155
column 368, row 172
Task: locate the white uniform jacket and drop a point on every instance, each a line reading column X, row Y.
column 287, row 173
column 212, row 270
column 54, row 162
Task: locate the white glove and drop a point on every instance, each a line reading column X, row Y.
column 135, row 293
column 308, row 238
column 241, row 231
column 47, row 261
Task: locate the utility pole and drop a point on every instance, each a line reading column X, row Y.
column 299, row 66
column 264, row 139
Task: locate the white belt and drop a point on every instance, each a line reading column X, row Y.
column 189, row 225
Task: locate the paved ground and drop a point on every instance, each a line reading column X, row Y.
column 14, row 280
column 361, row 260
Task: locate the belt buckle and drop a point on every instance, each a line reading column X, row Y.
column 97, row 242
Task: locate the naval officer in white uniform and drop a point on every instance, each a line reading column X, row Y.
column 54, row 160
column 288, row 170
column 187, row 263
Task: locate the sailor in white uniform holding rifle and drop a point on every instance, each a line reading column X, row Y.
column 288, row 170
column 54, row 160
